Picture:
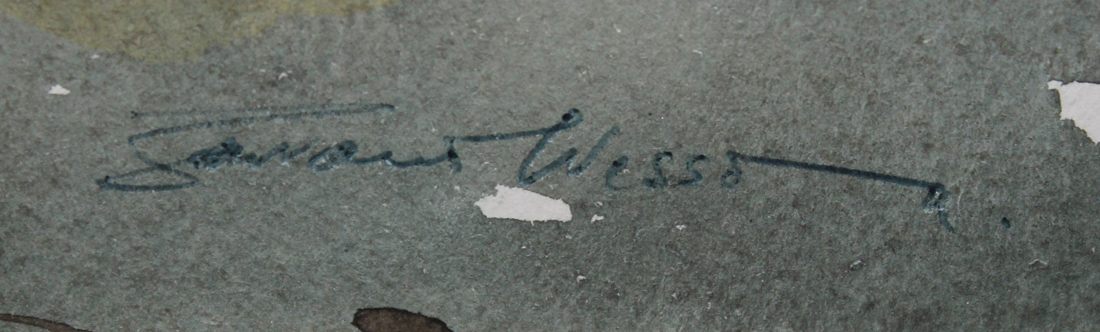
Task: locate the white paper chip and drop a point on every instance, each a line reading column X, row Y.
column 1080, row 103
column 519, row 204
column 58, row 90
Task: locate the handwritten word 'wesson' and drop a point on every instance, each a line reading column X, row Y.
column 324, row 158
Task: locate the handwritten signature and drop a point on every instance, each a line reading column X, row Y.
column 325, row 158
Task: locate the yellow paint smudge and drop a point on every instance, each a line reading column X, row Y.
column 167, row 30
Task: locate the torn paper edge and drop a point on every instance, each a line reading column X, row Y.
column 1080, row 103
column 519, row 204
column 57, row 89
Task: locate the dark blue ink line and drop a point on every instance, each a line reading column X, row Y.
column 297, row 114
column 659, row 181
column 194, row 112
column 108, row 181
column 588, row 160
column 732, row 177
column 933, row 201
column 617, row 167
column 836, row 170
column 568, row 121
column 228, row 151
column 293, row 114
column 696, row 176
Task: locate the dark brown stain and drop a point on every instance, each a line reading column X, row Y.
column 367, row 320
column 51, row 326
column 396, row 320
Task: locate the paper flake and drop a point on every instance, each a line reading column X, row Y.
column 1080, row 103
column 58, row 90
column 519, row 204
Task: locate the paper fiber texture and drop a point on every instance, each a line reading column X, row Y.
column 780, row 165
column 519, row 204
column 1081, row 103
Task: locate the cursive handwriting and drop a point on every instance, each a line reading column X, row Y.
column 326, row 158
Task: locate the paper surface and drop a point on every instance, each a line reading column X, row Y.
column 762, row 166
column 1080, row 103
column 519, row 204
column 58, row 90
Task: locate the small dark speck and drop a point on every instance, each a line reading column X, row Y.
column 1006, row 223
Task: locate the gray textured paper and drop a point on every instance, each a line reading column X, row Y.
column 948, row 92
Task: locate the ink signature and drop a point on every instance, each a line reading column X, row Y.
column 325, row 158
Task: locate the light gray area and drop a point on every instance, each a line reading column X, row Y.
column 947, row 91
